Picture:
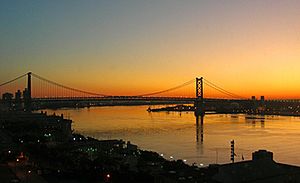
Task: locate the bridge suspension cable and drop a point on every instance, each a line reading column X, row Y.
column 5, row 83
column 221, row 90
column 167, row 90
column 68, row 88
column 93, row 94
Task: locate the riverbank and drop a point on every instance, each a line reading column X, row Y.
column 36, row 149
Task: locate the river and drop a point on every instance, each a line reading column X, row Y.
column 177, row 136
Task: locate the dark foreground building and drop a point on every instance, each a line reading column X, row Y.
column 261, row 169
column 36, row 127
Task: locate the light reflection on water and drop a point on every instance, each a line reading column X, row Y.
column 178, row 135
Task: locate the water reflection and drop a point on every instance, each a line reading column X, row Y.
column 262, row 123
column 181, row 135
column 199, row 132
column 254, row 120
column 199, row 129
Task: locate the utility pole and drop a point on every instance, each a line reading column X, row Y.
column 232, row 154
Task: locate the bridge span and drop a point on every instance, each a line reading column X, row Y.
column 38, row 93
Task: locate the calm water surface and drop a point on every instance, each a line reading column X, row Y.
column 178, row 135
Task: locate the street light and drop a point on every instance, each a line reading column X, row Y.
column 107, row 178
column 17, row 161
column 27, row 175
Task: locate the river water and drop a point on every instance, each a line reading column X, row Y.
column 178, row 135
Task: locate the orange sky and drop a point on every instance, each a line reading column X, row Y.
column 246, row 47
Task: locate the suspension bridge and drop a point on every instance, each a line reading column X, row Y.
column 32, row 91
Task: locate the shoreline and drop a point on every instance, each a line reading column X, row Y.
column 184, row 108
column 43, row 152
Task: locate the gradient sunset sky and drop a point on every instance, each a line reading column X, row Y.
column 123, row 47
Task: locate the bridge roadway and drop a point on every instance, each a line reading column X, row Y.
column 211, row 104
column 132, row 98
column 40, row 103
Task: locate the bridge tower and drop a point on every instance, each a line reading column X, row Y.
column 27, row 94
column 199, row 102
